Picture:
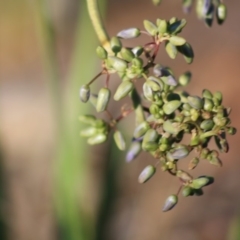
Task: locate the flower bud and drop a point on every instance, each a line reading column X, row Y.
column 171, row 50
column 146, row 174
column 232, row 130
column 103, row 99
column 149, row 146
column 206, row 6
column 127, row 54
column 119, row 140
column 84, row 93
column 88, row 119
column 187, row 52
column 118, row 64
column 134, row 149
column 141, row 129
column 169, row 81
column 179, row 152
column 137, row 51
column 207, row 124
column 215, row 161
column 185, row 78
column 184, row 176
column 177, row 41
column 171, row 106
column 171, row 202
column 150, row 27
column 129, row 33
column 162, row 26
column 202, row 181
column 170, row 127
column 123, row 90
column 177, row 26
column 207, row 94
column 148, row 92
column 150, row 136
column 221, row 13
column 195, row 102
column 187, row 191
column 116, row 44
column 218, row 96
column 101, row 52
column 97, row 139
column 158, row 70
column 208, row 104
column 88, row 132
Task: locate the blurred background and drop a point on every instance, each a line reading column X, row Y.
column 52, row 185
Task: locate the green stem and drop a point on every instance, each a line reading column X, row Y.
column 103, row 37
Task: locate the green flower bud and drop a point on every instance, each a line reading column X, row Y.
column 171, row 50
column 208, row 104
column 150, row 27
column 146, row 174
column 194, row 114
column 184, row 176
column 137, row 51
column 118, row 64
column 171, row 106
column 177, row 41
column 170, row 127
column 84, row 93
column 134, row 150
column 232, row 130
column 207, row 124
column 218, row 96
column 101, row 52
column 99, row 123
column 187, row 52
column 103, row 99
column 129, row 33
column 150, row 136
column 207, row 94
column 149, row 146
column 163, row 147
column 206, row 6
column 220, row 121
column 116, row 44
column 187, row 191
column 153, row 85
column 154, row 109
column 123, row 90
column 148, row 92
column 169, row 80
column 88, row 119
column 119, row 140
column 141, row 129
column 195, row 102
column 221, row 13
column 200, row 182
column 162, row 25
column 193, row 163
column 173, row 20
column 177, row 26
column 158, row 70
column 185, row 78
column 179, row 152
column 170, row 203
column 127, row 54
column 88, row 132
column 97, row 139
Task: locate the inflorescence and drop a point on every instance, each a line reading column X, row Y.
column 165, row 114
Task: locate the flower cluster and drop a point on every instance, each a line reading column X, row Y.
column 164, row 113
column 205, row 9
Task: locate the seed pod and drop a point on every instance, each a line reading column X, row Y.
column 184, row 176
column 103, row 99
column 195, row 102
column 88, row 119
column 118, row 64
column 171, row 50
column 208, row 104
column 150, row 27
column 88, row 132
column 101, row 52
column 141, row 129
column 129, row 33
column 148, row 92
column 84, row 93
column 177, row 41
column 162, row 26
column 137, row 51
column 127, row 54
column 207, row 124
column 193, row 163
column 207, row 94
column 221, row 13
column 146, row 174
column 171, row 106
column 123, row 90
column 200, row 182
column 177, row 26
column 169, row 127
column 133, row 151
column 119, row 140
column 179, row 152
column 187, row 52
column 97, row 139
column 116, row 44
column 187, row 191
column 170, row 203
column 185, row 78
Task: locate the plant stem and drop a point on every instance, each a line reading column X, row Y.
column 103, row 37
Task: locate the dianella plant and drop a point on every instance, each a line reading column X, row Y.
column 164, row 112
